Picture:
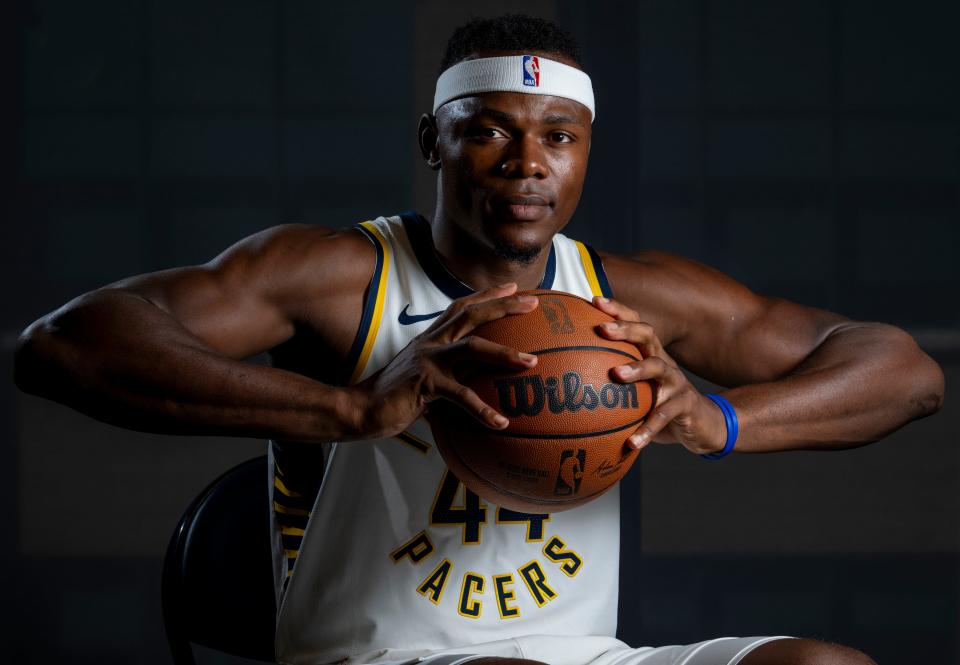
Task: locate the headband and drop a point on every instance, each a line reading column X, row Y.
column 529, row 74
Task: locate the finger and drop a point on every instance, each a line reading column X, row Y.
column 458, row 393
column 478, row 350
column 637, row 333
column 477, row 314
column 459, row 304
column 658, row 368
column 658, row 419
column 615, row 309
column 653, row 367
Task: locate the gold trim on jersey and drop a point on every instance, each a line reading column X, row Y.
column 589, row 268
column 414, row 442
column 370, row 334
column 280, row 508
column 284, row 490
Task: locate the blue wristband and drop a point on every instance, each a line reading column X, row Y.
column 733, row 427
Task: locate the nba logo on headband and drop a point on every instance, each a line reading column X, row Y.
column 531, row 70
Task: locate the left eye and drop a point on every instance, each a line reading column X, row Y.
column 561, row 137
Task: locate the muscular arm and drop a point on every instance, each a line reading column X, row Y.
column 164, row 352
column 799, row 377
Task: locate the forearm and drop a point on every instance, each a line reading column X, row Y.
column 118, row 358
column 862, row 383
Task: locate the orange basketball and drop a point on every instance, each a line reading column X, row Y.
column 569, row 420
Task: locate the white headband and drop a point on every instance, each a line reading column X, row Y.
column 530, row 74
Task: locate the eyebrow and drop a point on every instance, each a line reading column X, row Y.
column 559, row 119
column 552, row 119
column 502, row 116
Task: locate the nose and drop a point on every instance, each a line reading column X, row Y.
column 524, row 158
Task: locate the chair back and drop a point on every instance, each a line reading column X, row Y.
column 217, row 587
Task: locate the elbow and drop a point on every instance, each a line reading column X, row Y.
column 925, row 380
column 50, row 349
column 26, row 360
column 928, row 395
column 35, row 360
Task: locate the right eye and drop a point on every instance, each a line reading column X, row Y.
column 487, row 133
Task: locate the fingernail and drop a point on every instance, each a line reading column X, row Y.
column 601, row 299
column 610, row 325
column 505, row 285
column 500, row 421
column 527, row 299
column 528, row 357
column 637, row 440
column 624, row 370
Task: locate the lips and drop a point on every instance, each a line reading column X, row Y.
column 523, row 207
column 525, row 200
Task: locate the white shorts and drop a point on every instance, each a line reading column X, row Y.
column 575, row 650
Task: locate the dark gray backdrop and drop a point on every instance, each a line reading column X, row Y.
column 810, row 149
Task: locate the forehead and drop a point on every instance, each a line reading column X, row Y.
column 522, row 106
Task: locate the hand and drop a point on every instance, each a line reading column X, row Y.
column 423, row 371
column 680, row 414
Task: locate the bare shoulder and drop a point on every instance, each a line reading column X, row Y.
column 696, row 310
column 676, row 294
column 261, row 290
column 288, row 265
column 295, row 261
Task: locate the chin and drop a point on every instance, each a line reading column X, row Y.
column 510, row 237
column 516, row 242
column 524, row 254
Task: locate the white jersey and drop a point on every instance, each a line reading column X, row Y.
column 394, row 552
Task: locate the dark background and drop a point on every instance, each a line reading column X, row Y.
column 809, row 148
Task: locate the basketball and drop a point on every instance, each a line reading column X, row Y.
column 569, row 420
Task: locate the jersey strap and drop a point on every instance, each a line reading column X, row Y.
column 593, row 267
column 373, row 304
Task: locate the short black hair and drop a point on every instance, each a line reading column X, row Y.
column 510, row 32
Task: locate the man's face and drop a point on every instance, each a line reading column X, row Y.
column 512, row 167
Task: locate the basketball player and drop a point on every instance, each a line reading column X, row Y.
column 381, row 555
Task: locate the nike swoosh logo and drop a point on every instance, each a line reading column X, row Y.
column 408, row 319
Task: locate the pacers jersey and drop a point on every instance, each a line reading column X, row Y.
column 394, row 552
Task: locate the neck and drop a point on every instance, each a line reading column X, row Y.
column 476, row 264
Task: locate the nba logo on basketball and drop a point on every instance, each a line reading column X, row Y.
column 531, row 70
column 571, row 472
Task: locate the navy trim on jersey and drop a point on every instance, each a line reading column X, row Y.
column 421, row 240
column 550, row 271
column 601, row 274
column 370, row 301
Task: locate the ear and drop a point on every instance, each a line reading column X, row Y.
column 428, row 136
